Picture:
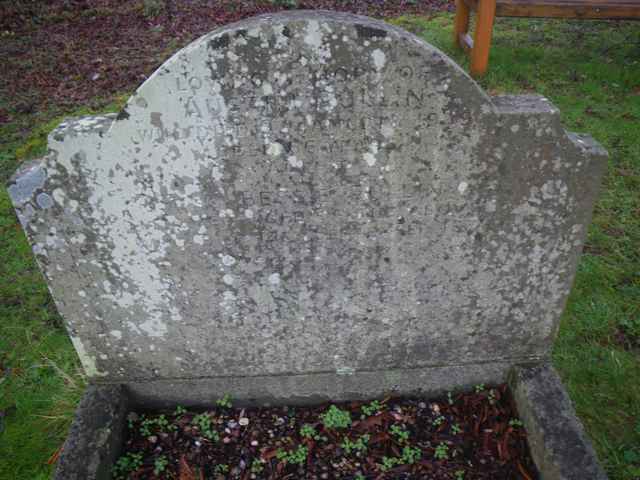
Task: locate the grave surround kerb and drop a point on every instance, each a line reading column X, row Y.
column 309, row 206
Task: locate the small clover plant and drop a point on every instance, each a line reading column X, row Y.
column 388, row 463
column 296, row 457
column 336, row 418
column 360, row 446
column 439, row 420
column 160, row 465
column 411, row 455
column 205, row 426
column 400, row 433
column 126, row 464
column 148, row 425
column 225, row 401
column 442, row 451
column 257, row 466
column 308, row 431
column 371, row 409
column 515, row 422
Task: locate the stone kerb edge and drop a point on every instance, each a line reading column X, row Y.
column 557, row 440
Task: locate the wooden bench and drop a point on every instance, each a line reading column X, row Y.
column 487, row 10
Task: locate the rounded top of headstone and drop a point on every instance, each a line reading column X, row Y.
column 232, row 61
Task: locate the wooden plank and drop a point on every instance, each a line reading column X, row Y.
column 594, row 3
column 482, row 37
column 590, row 9
column 461, row 22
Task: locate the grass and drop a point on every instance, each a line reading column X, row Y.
column 39, row 386
column 40, row 377
column 590, row 70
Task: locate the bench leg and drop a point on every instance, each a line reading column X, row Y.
column 461, row 25
column 482, row 38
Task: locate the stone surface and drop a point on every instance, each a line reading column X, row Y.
column 96, row 435
column 315, row 388
column 310, row 194
column 557, row 440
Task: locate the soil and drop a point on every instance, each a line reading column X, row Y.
column 472, row 435
column 67, row 53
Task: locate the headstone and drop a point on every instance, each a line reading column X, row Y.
column 310, row 204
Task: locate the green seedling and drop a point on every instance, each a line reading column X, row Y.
column 400, row 433
column 410, row 455
column 371, row 409
column 205, row 426
column 455, row 429
column 179, row 411
column 360, row 446
column 148, row 425
column 459, row 474
column 336, row 418
column 388, row 463
column 257, row 466
column 515, row 423
column 225, row 401
column 160, row 465
column 480, row 388
column 221, row 468
column 439, row 420
column 308, row 431
column 126, row 464
column 296, row 457
column 442, row 452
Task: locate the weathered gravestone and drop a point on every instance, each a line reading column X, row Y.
column 308, row 206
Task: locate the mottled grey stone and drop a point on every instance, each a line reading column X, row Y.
column 96, row 435
column 312, row 389
column 310, row 195
column 557, row 441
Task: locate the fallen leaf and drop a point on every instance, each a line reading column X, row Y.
column 186, row 472
column 55, row 455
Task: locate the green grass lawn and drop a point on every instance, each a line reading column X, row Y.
column 590, row 70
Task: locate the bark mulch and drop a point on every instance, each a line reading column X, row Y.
column 472, row 435
column 68, row 53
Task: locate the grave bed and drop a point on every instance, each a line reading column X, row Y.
column 557, row 442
